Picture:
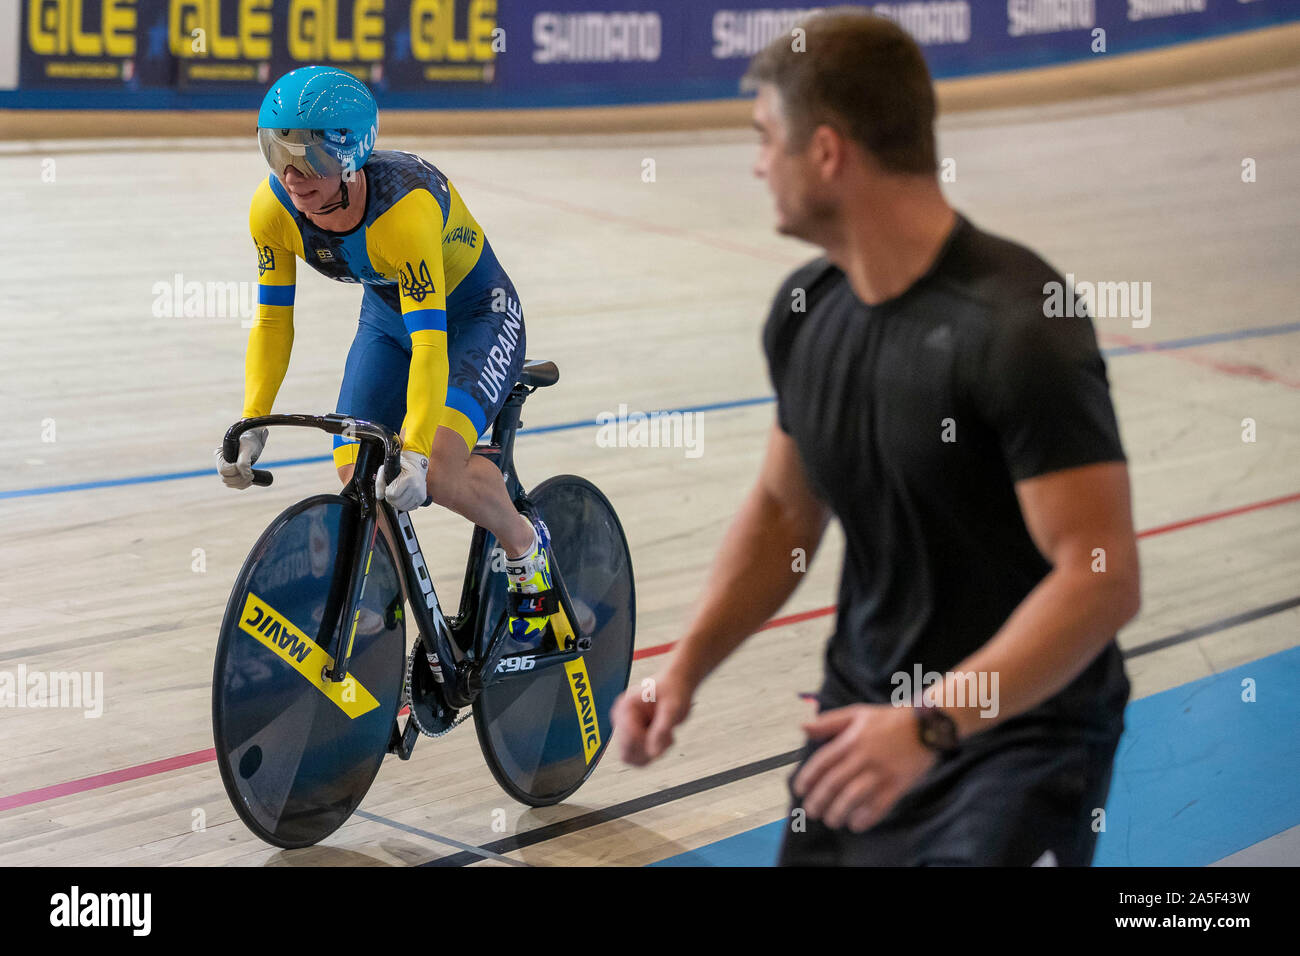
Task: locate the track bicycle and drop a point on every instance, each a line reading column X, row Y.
column 312, row 673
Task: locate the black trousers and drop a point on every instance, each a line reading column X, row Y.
column 1004, row 800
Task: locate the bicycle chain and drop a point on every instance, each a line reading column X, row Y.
column 450, row 727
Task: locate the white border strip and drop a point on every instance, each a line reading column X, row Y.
column 10, row 21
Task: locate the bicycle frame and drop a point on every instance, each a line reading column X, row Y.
column 467, row 651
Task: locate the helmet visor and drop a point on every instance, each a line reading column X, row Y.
column 303, row 149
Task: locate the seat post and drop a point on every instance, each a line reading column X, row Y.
column 505, row 426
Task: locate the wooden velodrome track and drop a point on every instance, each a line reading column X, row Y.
column 649, row 295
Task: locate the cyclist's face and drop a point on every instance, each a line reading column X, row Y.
column 309, row 193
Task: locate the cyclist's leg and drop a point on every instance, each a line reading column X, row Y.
column 485, row 356
column 486, row 352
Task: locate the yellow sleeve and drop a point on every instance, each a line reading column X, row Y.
column 271, row 340
column 407, row 238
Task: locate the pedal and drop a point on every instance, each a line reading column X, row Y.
column 403, row 742
column 566, row 634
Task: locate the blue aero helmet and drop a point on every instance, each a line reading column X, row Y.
column 320, row 120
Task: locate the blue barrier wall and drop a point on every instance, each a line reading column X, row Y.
column 144, row 54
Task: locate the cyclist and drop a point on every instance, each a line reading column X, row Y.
column 440, row 341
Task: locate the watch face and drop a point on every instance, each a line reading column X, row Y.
column 938, row 732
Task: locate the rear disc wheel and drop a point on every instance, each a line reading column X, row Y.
column 543, row 734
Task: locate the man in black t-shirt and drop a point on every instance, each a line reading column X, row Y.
column 974, row 693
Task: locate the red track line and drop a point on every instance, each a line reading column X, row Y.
column 203, row 756
column 1273, row 502
column 107, row 779
column 1162, row 529
column 775, row 622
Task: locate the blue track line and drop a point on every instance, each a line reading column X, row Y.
column 317, row 459
column 1115, row 352
column 146, row 479
column 1193, row 341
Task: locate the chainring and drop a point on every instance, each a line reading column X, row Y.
column 432, row 718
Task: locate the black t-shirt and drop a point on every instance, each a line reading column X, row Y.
column 914, row 418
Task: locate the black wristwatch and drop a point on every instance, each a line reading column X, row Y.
column 936, row 730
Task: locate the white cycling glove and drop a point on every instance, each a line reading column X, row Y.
column 239, row 473
column 410, row 489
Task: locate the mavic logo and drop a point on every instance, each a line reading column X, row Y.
column 276, row 630
column 585, row 704
column 416, row 284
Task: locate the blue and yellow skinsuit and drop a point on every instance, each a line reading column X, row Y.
column 440, row 339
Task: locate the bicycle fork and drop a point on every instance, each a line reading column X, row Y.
column 342, row 617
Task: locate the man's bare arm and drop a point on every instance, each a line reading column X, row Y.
column 752, row 573
column 1080, row 519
